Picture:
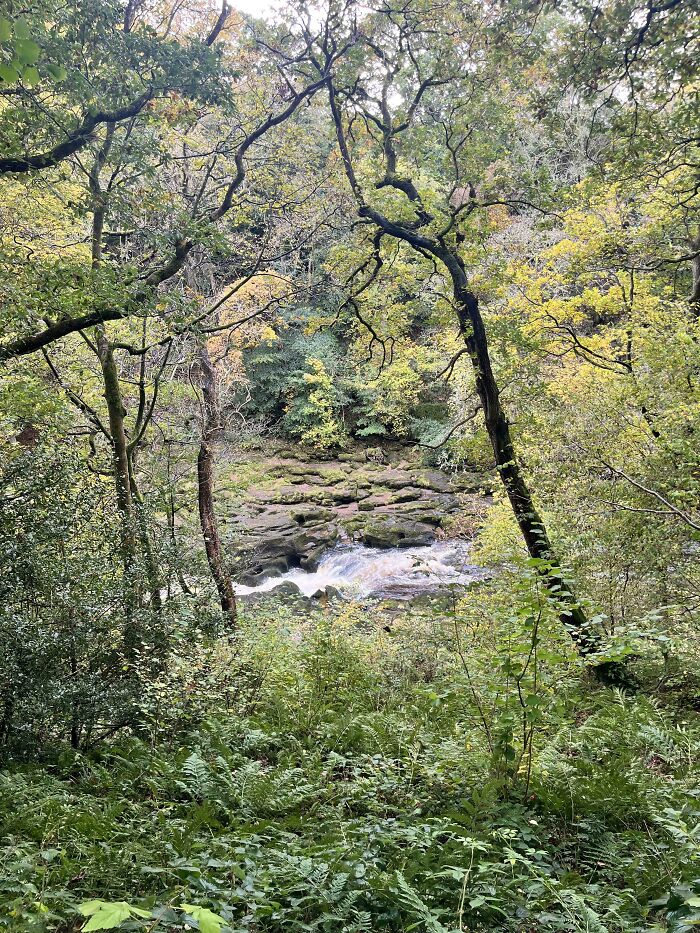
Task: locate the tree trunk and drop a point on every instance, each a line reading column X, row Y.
column 110, row 376
column 151, row 564
column 117, row 430
column 695, row 273
column 211, row 429
column 474, row 333
column 120, row 455
column 526, row 514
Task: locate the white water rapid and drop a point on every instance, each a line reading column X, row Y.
column 359, row 572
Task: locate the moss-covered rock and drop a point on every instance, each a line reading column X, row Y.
column 302, row 504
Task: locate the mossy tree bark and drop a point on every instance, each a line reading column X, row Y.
column 211, row 432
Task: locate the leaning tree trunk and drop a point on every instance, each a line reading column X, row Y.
column 211, row 430
column 474, row 333
column 529, row 521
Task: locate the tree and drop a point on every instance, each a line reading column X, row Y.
column 134, row 159
column 401, row 106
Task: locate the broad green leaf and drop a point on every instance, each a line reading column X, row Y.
column 208, row 921
column 106, row 915
column 88, row 908
column 22, row 30
column 28, row 51
column 58, row 72
column 30, row 77
column 8, row 72
column 5, row 30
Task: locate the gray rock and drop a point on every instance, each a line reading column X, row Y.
column 432, row 479
column 376, row 455
column 470, row 481
column 376, row 501
column 344, row 495
column 287, row 588
column 327, row 593
column 312, row 559
column 394, row 533
column 397, row 479
column 270, row 521
column 302, row 502
column 409, row 494
column 286, row 495
column 310, row 515
column 255, row 575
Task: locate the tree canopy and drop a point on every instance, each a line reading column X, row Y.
column 349, row 278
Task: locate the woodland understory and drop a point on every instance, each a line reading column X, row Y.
column 379, row 273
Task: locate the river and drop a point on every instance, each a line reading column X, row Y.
column 360, row 572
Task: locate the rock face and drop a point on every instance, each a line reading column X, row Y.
column 282, row 510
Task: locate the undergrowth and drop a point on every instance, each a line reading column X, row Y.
column 356, row 771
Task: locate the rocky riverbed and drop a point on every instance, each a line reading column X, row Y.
column 286, row 508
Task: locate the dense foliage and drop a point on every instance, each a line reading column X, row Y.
column 468, row 230
column 347, row 778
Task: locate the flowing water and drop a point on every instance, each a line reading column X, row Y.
column 399, row 573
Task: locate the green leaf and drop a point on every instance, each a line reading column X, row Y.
column 88, row 908
column 30, row 77
column 22, row 30
column 28, row 51
column 104, row 915
column 58, row 72
column 8, row 72
column 5, row 30
column 208, row 921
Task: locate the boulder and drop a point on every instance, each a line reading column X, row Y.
column 376, row 455
column 343, row 495
column 257, row 574
column 395, row 533
column 326, row 593
column 310, row 538
column 286, row 495
column 375, row 501
column 310, row 515
column 397, row 479
column 434, row 480
column 410, row 494
column 470, row 481
column 428, row 517
column 269, row 522
column 287, row 588
column 312, row 559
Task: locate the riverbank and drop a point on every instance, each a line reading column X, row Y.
column 284, row 507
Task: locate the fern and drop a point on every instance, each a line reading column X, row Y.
column 196, row 777
column 417, row 907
